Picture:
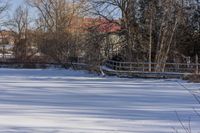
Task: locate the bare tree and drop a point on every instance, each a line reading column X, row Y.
column 126, row 11
column 3, row 7
column 19, row 25
column 160, row 21
column 56, row 24
column 171, row 17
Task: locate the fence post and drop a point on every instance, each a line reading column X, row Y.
column 143, row 67
column 197, row 65
column 178, row 68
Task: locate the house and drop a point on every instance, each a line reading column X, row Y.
column 111, row 44
column 6, row 44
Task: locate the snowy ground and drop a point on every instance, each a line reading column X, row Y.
column 60, row 101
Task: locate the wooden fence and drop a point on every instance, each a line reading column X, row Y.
column 144, row 67
column 12, row 63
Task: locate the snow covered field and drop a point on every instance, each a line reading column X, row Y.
column 60, row 101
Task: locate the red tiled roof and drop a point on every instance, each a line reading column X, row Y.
column 102, row 25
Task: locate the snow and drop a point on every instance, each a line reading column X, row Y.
column 66, row 101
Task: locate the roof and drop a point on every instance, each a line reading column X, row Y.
column 102, row 25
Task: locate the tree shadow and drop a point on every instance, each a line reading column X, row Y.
column 112, row 103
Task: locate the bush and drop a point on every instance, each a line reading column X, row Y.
column 193, row 78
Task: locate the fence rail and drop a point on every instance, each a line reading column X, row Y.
column 40, row 64
column 144, row 67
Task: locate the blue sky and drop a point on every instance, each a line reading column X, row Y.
column 15, row 4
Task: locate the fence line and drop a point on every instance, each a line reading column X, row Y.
column 119, row 66
column 40, row 64
column 144, row 67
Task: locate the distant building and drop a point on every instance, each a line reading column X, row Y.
column 109, row 29
column 83, row 24
column 6, row 44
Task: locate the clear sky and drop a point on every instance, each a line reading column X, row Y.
column 15, row 3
